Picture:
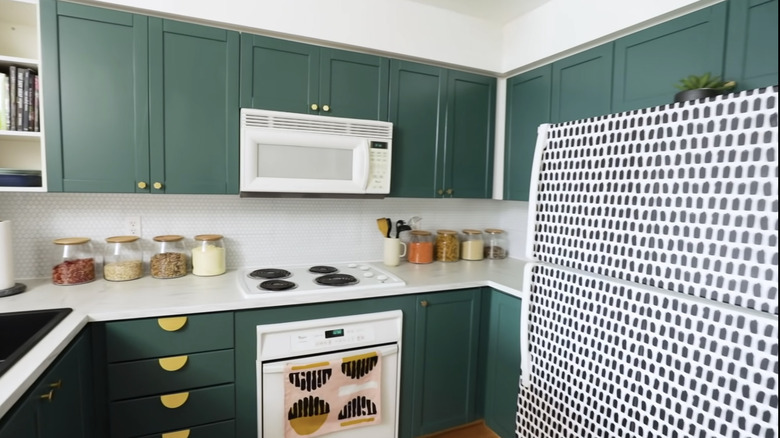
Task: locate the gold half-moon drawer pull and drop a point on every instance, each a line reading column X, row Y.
column 172, row 324
column 174, row 363
column 177, row 434
column 173, row 401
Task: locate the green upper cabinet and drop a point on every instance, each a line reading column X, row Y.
column 582, row 85
column 650, row 62
column 138, row 104
column 445, row 360
column 288, row 76
column 194, row 112
column 96, row 104
column 751, row 45
column 443, row 123
column 528, row 103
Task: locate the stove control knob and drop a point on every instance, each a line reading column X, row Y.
column 365, row 268
column 352, row 265
column 381, row 278
column 368, row 274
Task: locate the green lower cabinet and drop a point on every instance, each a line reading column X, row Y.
column 446, row 352
column 223, row 429
column 60, row 404
column 751, row 44
column 502, row 363
column 650, row 62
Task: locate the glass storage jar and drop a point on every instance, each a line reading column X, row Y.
column 420, row 247
column 496, row 244
column 208, row 255
column 447, row 246
column 123, row 259
column 472, row 246
column 170, row 258
column 74, row 261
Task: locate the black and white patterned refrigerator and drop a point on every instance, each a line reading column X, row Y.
column 651, row 305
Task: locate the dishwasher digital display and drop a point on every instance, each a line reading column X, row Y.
column 335, row 333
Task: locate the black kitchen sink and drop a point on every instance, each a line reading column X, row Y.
column 20, row 331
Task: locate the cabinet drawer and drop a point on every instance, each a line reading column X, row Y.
column 162, row 337
column 224, row 429
column 176, row 411
column 169, row 374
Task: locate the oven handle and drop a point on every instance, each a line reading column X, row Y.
column 279, row 365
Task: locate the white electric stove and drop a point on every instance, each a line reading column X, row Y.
column 258, row 282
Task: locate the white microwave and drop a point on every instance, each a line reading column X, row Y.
column 301, row 155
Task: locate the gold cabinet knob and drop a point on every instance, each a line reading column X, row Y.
column 440, row 192
column 49, row 396
column 314, row 107
column 142, row 185
column 450, row 191
column 424, row 303
column 56, row 385
column 157, row 185
column 326, row 108
column 172, row 324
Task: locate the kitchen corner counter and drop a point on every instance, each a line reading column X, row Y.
column 150, row 297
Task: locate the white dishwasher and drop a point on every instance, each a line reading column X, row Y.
column 332, row 377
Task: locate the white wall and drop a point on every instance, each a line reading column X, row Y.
column 407, row 29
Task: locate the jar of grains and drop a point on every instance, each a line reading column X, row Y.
column 420, row 247
column 496, row 244
column 208, row 255
column 447, row 246
column 74, row 261
column 472, row 246
column 123, row 259
column 169, row 259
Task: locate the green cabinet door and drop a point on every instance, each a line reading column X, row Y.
column 751, row 45
column 691, row 44
column 582, row 85
column 282, row 75
column 194, row 108
column 468, row 158
column 21, row 420
column 445, row 360
column 418, row 94
column 528, row 97
column 96, row 100
column 502, row 364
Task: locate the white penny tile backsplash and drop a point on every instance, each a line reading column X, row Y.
column 258, row 232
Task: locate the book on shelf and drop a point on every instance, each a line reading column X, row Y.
column 20, row 100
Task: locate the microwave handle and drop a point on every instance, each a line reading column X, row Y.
column 363, row 158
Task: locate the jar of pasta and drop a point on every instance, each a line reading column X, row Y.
column 74, row 261
column 496, row 244
column 123, row 259
column 447, row 246
column 208, row 255
column 472, row 245
column 420, row 247
column 170, row 258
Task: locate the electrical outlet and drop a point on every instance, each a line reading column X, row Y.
column 133, row 226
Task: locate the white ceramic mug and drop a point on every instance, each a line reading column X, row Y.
column 393, row 253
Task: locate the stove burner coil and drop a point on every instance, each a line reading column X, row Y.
column 269, row 273
column 322, row 269
column 336, row 280
column 277, row 285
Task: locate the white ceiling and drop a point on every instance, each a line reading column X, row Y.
column 498, row 11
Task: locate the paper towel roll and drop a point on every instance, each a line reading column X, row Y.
column 7, row 279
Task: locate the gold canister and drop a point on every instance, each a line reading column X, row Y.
column 447, row 246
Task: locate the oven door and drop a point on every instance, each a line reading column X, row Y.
column 272, row 413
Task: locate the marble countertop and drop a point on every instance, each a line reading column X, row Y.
column 150, row 297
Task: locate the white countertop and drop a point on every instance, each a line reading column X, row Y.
column 150, row 297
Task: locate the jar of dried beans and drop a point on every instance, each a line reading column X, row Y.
column 447, row 246
column 420, row 247
column 496, row 244
column 74, row 261
column 170, row 258
column 123, row 259
column 208, row 255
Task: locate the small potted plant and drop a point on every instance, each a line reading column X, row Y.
column 697, row 87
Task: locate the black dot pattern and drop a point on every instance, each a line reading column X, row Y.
column 682, row 197
column 613, row 359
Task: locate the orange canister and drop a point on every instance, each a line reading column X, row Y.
column 420, row 247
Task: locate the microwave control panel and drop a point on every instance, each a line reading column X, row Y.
column 379, row 167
